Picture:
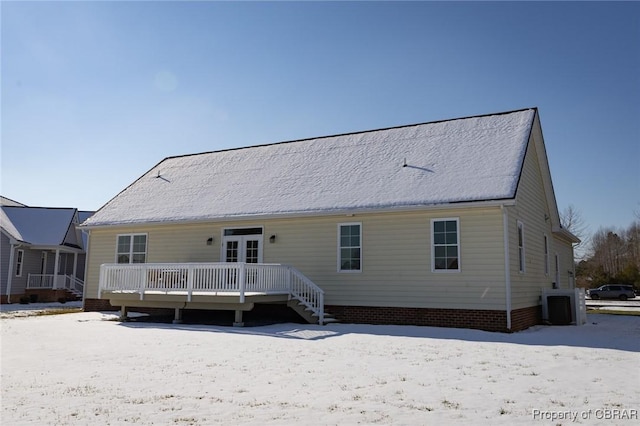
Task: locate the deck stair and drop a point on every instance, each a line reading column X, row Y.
column 308, row 314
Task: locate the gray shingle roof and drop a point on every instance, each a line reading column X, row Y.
column 460, row 160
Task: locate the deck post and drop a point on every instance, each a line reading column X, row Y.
column 190, row 273
column 241, row 282
column 123, row 313
column 178, row 316
column 238, row 320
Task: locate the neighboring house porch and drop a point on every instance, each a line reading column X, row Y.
column 43, row 256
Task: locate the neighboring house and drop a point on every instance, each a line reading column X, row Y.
column 42, row 252
column 448, row 223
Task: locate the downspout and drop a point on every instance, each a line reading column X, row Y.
column 10, row 271
column 507, row 267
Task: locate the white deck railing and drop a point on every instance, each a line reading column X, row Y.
column 214, row 279
column 51, row 281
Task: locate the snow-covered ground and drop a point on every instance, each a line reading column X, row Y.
column 87, row 368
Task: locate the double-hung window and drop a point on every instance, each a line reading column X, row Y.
column 132, row 248
column 350, row 247
column 445, row 244
column 521, row 259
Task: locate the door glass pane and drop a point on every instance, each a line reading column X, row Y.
column 232, row 251
column 251, row 253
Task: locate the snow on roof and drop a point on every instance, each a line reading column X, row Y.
column 40, row 226
column 460, row 160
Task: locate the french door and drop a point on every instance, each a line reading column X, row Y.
column 242, row 245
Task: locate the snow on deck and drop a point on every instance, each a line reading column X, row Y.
column 469, row 159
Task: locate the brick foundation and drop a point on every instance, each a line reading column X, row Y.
column 480, row 319
column 41, row 296
column 45, row 295
column 489, row 320
column 96, row 305
column 524, row 318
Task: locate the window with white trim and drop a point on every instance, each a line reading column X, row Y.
column 546, row 255
column 19, row 261
column 521, row 259
column 131, row 248
column 350, row 247
column 445, row 244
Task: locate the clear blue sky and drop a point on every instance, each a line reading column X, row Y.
column 95, row 94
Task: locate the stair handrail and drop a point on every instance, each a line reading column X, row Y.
column 307, row 292
column 75, row 283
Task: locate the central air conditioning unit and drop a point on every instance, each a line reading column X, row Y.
column 564, row 307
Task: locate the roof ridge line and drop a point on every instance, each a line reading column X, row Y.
column 344, row 134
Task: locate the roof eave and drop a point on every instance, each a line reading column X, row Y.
column 566, row 235
column 63, row 248
column 293, row 215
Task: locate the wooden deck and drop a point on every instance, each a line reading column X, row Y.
column 228, row 286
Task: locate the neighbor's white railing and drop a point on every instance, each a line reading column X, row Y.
column 212, row 279
column 40, row 281
column 51, row 281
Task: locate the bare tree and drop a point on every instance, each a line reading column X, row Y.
column 632, row 237
column 572, row 220
column 609, row 251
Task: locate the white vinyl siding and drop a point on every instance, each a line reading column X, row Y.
column 445, row 243
column 350, row 247
column 131, row 248
column 537, row 214
column 396, row 269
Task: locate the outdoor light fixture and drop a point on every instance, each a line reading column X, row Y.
column 210, row 241
column 272, row 239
